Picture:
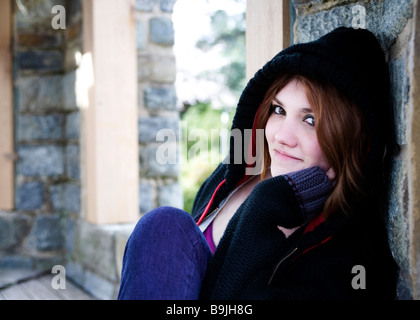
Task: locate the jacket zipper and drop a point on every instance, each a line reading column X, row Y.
column 278, row 264
column 212, row 213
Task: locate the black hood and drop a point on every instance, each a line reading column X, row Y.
column 350, row 59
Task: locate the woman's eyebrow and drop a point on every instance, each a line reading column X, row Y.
column 277, row 101
column 306, row 110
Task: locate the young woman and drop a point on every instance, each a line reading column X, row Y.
column 308, row 224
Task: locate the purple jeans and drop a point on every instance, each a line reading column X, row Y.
column 165, row 258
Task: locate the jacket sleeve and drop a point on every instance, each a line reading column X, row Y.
column 252, row 242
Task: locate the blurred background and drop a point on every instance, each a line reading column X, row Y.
column 211, row 63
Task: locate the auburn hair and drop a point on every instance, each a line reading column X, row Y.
column 341, row 131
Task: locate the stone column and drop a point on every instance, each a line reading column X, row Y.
column 157, row 102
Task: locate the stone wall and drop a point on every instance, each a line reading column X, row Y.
column 393, row 22
column 157, row 101
column 47, row 184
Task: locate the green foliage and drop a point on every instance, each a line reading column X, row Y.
column 197, row 166
column 228, row 31
column 193, row 175
column 201, row 116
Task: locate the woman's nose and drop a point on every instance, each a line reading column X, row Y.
column 286, row 133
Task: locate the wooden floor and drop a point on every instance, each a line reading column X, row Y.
column 31, row 286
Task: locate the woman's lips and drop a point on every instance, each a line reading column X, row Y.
column 285, row 156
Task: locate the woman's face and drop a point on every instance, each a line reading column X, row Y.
column 290, row 133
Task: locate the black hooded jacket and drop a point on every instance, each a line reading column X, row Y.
column 344, row 257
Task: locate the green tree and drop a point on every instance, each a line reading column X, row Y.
column 228, row 31
column 228, row 35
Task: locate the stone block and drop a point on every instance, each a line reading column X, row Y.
column 39, row 40
column 144, row 67
column 68, row 90
column 170, row 195
column 157, row 69
column 73, row 161
column 160, row 98
column 13, row 229
column 46, row 234
column 150, row 126
column 65, row 197
column 13, row 261
column 6, row 233
column 39, row 93
column 397, row 211
column 30, row 195
column 313, row 26
column 71, row 226
column 164, row 70
column 162, row 31
column 145, row 5
column 167, row 5
column 73, row 126
column 151, row 166
column 37, row 60
column 72, row 193
column 43, row 160
column 95, row 249
column 141, row 35
column 399, row 97
column 147, row 196
column 32, row 127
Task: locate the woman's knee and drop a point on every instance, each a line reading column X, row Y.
column 165, row 244
column 169, row 214
column 163, row 216
column 164, row 224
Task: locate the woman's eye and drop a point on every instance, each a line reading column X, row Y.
column 309, row 119
column 278, row 110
